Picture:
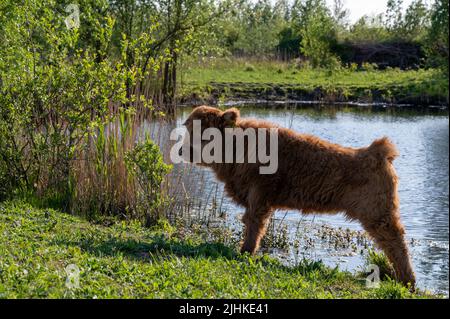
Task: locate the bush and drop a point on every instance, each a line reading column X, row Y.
column 369, row 67
column 117, row 174
column 249, row 68
column 66, row 107
column 438, row 36
column 319, row 37
column 146, row 165
column 54, row 93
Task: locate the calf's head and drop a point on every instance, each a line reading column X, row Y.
column 200, row 120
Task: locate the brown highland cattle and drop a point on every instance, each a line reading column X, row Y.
column 314, row 175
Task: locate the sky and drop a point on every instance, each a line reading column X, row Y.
column 358, row 8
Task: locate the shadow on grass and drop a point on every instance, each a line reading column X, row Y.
column 156, row 246
column 159, row 247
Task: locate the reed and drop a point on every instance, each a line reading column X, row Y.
column 118, row 171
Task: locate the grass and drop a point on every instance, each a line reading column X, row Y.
column 345, row 84
column 380, row 259
column 125, row 260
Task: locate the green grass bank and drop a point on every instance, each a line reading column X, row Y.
column 271, row 80
column 126, row 260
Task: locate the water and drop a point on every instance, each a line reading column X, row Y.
column 422, row 139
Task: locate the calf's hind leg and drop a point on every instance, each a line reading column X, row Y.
column 388, row 233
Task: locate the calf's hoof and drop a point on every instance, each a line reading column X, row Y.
column 247, row 249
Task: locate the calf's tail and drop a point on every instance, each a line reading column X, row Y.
column 381, row 150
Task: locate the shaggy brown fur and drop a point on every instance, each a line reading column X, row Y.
column 315, row 176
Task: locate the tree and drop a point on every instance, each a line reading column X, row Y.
column 318, row 34
column 437, row 39
column 393, row 15
column 184, row 24
column 368, row 30
column 168, row 29
column 340, row 14
column 253, row 28
column 408, row 26
column 415, row 22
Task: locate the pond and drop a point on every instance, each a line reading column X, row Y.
column 422, row 138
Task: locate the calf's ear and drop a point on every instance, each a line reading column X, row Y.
column 230, row 116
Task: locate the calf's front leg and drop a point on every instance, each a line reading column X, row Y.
column 255, row 220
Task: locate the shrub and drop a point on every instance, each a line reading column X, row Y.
column 318, row 38
column 54, row 94
column 437, row 45
column 66, row 108
column 146, row 165
column 369, row 67
column 249, row 68
column 353, row 67
column 392, row 290
column 119, row 174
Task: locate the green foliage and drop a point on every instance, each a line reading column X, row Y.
column 394, row 25
column 416, row 21
column 318, row 35
column 252, row 28
column 391, row 289
column 66, row 104
column 54, row 92
column 120, row 175
column 367, row 30
column 323, row 34
column 145, row 163
column 394, row 15
column 100, row 179
column 289, row 41
column 370, row 67
column 438, row 35
column 165, row 31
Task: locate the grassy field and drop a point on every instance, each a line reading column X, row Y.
column 237, row 77
column 40, row 247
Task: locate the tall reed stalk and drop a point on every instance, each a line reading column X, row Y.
column 106, row 181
